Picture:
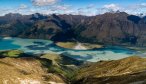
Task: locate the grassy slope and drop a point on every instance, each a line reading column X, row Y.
column 11, row 53
column 114, row 72
column 63, row 69
column 18, row 70
column 63, row 65
column 50, row 67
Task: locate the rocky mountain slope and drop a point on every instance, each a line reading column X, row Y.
column 109, row 28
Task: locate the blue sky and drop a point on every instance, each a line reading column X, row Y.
column 83, row 7
column 78, row 3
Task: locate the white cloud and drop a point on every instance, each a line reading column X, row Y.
column 50, row 7
column 112, row 7
column 90, row 6
column 62, row 7
column 43, row 2
column 142, row 5
column 23, row 6
column 137, row 6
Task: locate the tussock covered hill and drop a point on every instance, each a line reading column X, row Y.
column 21, row 70
column 26, row 71
column 129, row 70
column 17, row 67
column 59, row 69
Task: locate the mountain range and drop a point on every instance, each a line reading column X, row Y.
column 110, row 28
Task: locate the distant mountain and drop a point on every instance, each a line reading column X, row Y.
column 110, row 28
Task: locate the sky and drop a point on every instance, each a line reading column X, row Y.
column 75, row 7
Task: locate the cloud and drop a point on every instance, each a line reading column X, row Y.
column 52, row 6
column 62, row 7
column 43, row 2
column 137, row 6
column 112, row 7
column 23, row 6
column 143, row 5
column 90, row 6
column 136, row 9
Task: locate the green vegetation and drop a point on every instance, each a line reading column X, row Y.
column 53, row 57
column 63, row 70
column 11, row 53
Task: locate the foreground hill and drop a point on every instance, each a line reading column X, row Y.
column 22, row 71
column 109, row 28
column 17, row 68
column 125, row 71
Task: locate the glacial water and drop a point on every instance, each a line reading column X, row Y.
column 38, row 46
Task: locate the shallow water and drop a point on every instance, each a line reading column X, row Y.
column 38, row 46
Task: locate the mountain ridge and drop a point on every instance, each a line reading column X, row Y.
column 109, row 28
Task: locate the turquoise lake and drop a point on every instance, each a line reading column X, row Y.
column 38, row 46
